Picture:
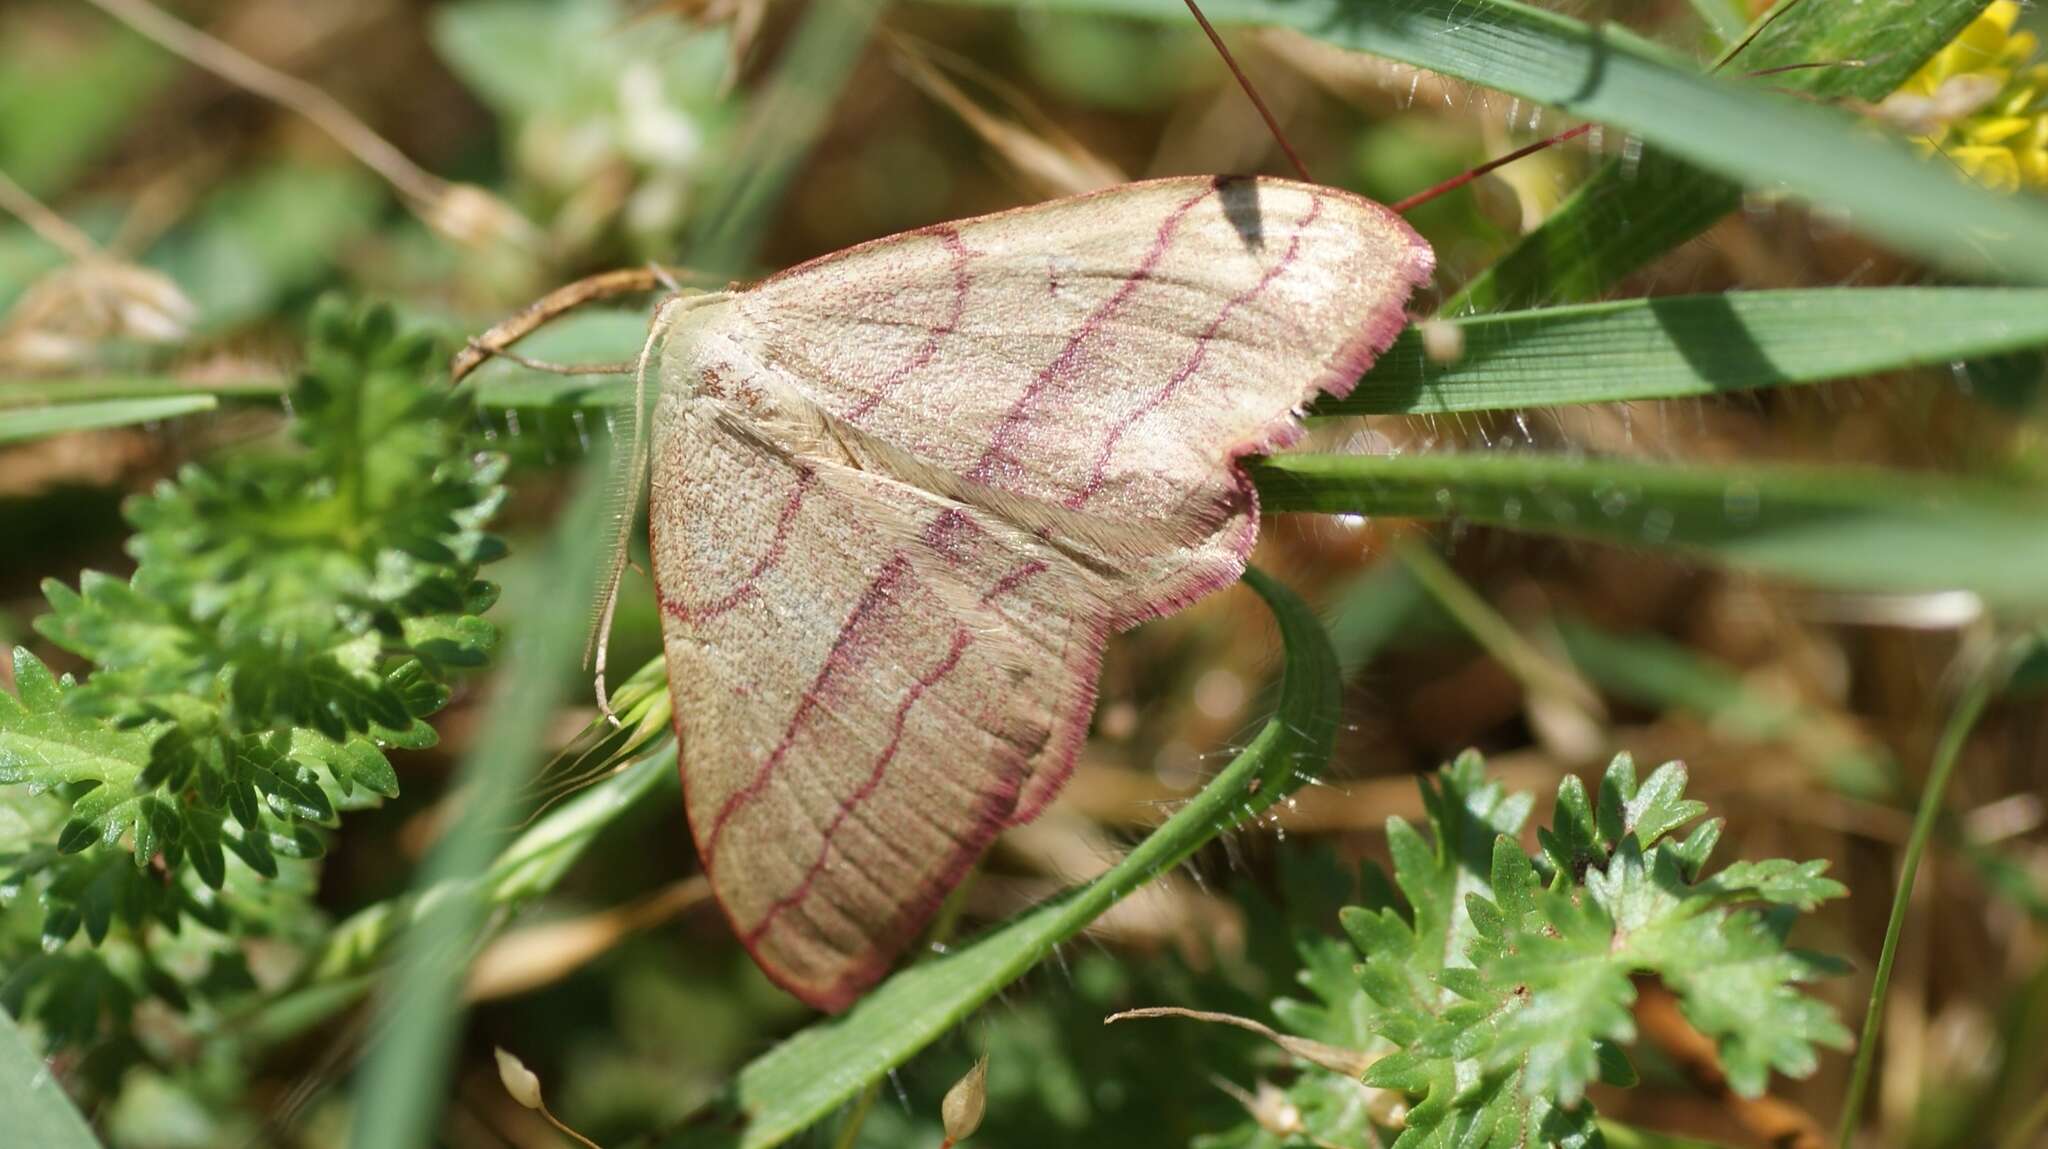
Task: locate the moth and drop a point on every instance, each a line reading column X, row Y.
column 901, row 496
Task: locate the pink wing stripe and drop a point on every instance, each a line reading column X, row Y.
column 1013, row 580
column 874, row 781
column 843, row 646
column 937, row 334
column 1095, row 479
column 784, row 523
column 947, row 535
column 999, row 449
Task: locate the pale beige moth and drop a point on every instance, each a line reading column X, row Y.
column 903, row 494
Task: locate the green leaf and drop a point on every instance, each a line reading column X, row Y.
column 1779, row 881
column 806, row 1077
column 1647, row 812
column 38, row 1112
column 1680, row 346
column 36, row 423
column 1845, row 528
column 278, row 595
column 1502, row 1039
column 1735, row 983
column 43, row 745
column 1734, row 128
column 1634, row 209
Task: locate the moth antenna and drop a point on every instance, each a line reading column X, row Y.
column 1808, row 66
column 1466, row 177
column 625, row 509
column 1245, row 82
column 622, row 367
column 1758, row 29
column 557, row 303
column 1458, row 181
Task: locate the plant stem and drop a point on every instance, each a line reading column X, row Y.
column 219, row 58
column 1969, row 707
column 1536, row 671
column 59, row 232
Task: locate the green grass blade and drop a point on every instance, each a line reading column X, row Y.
column 806, row 1077
column 1734, row 128
column 1652, row 671
column 405, row 1080
column 1629, row 213
column 1844, row 528
column 1955, row 734
column 789, row 116
column 1368, row 611
column 1725, row 20
column 18, row 391
column 1679, row 346
column 39, row 422
column 38, row 1112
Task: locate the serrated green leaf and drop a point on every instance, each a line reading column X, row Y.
column 1780, row 881
column 1648, row 812
column 41, row 745
column 1539, row 1008
column 1573, row 840
column 1735, row 983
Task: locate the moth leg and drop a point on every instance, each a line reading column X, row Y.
column 623, row 482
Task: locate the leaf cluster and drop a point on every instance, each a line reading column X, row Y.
column 295, row 613
column 1499, row 985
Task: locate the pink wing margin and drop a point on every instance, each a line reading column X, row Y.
column 1022, row 429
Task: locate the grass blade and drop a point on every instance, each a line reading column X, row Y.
column 1652, row 671
column 806, row 1077
column 1955, row 734
column 1678, row 346
column 1629, row 213
column 40, row 422
column 1734, row 128
column 404, row 1082
column 1845, row 528
column 16, row 391
column 38, row 1112
column 784, row 122
column 1725, row 20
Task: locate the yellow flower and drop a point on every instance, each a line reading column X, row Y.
column 1982, row 101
